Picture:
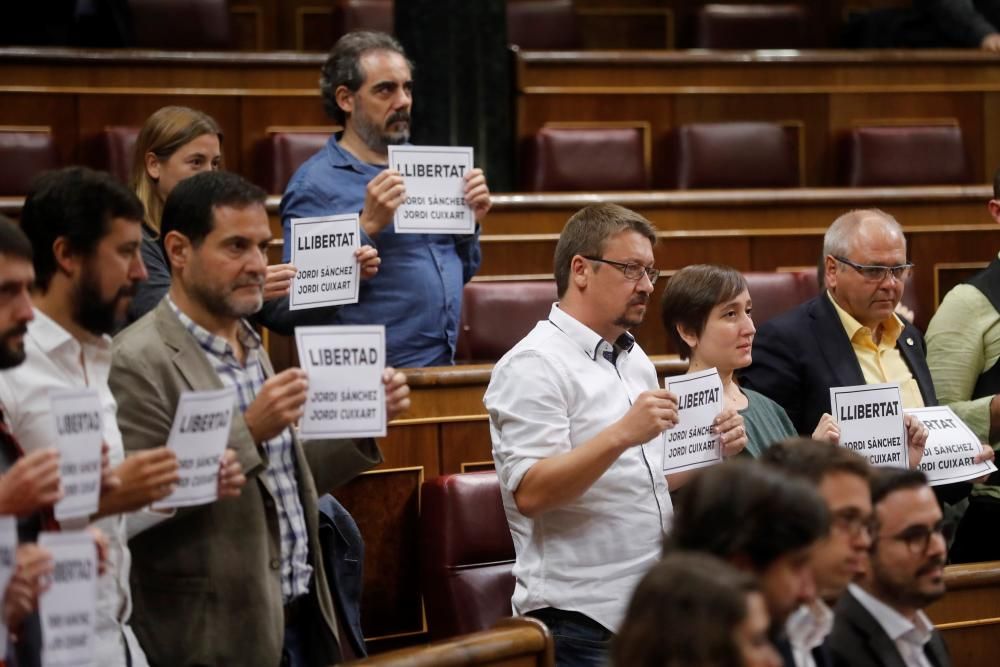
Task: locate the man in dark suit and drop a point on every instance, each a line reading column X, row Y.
column 848, row 335
column 240, row 581
column 880, row 622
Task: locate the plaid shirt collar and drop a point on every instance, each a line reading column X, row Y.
column 218, row 346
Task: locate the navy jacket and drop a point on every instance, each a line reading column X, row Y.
column 343, row 557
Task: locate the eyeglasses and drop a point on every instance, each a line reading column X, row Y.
column 875, row 272
column 631, row 270
column 853, row 523
column 918, row 537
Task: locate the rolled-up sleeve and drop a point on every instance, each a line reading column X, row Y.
column 529, row 414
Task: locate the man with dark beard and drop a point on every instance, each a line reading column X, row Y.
column 366, row 85
column 241, row 581
column 84, row 228
column 880, row 621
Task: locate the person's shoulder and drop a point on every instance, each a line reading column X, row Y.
column 139, row 340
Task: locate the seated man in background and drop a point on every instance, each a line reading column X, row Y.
column 367, row 86
column 239, row 581
column 880, row 621
column 842, row 478
column 759, row 520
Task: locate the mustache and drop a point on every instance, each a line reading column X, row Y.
column 249, row 281
column 932, row 564
column 398, row 116
column 20, row 330
column 639, row 300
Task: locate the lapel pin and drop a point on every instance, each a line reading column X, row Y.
column 909, row 341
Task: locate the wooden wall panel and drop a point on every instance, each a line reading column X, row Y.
column 58, row 112
column 465, row 446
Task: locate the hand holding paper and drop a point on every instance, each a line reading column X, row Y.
column 477, row 193
column 231, row 477
column 916, row 439
column 32, row 570
column 827, row 430
column 732, row 431
column 146, row 477
column 278, row 405
column 278, row 280
column 397, row 392
column 31, row 484
column 653, row 412
column 383, row 195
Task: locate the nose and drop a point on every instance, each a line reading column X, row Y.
column 937, row 546
column 258, row 261
column 644, row 284
column 748, row 326
column 403, row 99
column 137, row 270
column 24, row 312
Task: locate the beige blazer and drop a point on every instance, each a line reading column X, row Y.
column 205, row 583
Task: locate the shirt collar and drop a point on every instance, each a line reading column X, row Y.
column 895, row 624
column 891, row 327
column 212, row 343
column 586, row 338
column 342, row 158
column 809, row 625
column 49, row 335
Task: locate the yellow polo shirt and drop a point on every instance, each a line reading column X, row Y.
column 881, row 362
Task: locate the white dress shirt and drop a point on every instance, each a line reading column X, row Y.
column 806, row 629
column 57, row 360
column 910, row 637
column 555, row 391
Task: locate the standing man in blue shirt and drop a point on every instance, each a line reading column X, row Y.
column 367, row 86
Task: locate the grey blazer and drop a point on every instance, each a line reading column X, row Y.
column 205, row 583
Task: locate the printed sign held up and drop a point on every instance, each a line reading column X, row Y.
column 434, row 177
column 870, row 417
column 346, row 394
column 692, row 443
column 79, row 435
column 951, row 449
column 68, row 607
column 323, row 254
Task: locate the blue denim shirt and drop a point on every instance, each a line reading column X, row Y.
column 417, row 293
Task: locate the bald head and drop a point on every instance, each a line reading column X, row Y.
column 864, row 238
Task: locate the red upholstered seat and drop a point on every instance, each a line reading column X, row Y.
column 751, row 27
column 466, row 554
column 733, row 155
column 889, row 155
column 181, row 24
column 542, row 24
column 497, row 314
column 569, row 159
column 112, row 151
column 23, row 156
column 280, row 154
column 773, row 293
column 351, row 15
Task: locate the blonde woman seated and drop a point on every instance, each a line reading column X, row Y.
column 707, row 313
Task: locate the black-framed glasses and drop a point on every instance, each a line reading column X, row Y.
column 918, row 537
column 853, row 523
column 631, row 270
column 876, row 272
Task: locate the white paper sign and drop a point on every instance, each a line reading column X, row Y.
column 67, row 608
column 434, row 177
column 949, row 455
column 346, row 394
column 323, row 254
column 8, row 556
column 79, row 435
column 870, row 417
column 198, row 436
column 691, row 443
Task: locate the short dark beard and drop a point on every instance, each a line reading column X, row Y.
column 625, row 322
column 895, row 594
column 376, row 138
column 11, row 355
column 97, row 316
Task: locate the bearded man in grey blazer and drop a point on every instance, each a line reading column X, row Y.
column 239, row 581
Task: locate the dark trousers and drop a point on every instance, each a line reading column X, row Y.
column 580, row 640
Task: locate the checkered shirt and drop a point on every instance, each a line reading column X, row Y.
column 279, row 477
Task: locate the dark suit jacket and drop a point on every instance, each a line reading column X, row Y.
column 206, row 582
column 820, row 654
column 960, row 23
column 344, row 557
column 858, row 640
column 800, row 354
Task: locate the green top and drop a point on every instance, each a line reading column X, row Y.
column 766, row 423
column 963, row 341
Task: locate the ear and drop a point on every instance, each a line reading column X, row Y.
column 152, row 165
column 67, row 261
column 579, row 271
column 830, row 272
column 687, row 336
column 345, row 99
column 177, row 247
column 993, row 206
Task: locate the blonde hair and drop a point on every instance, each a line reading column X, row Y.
column 162, row 134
